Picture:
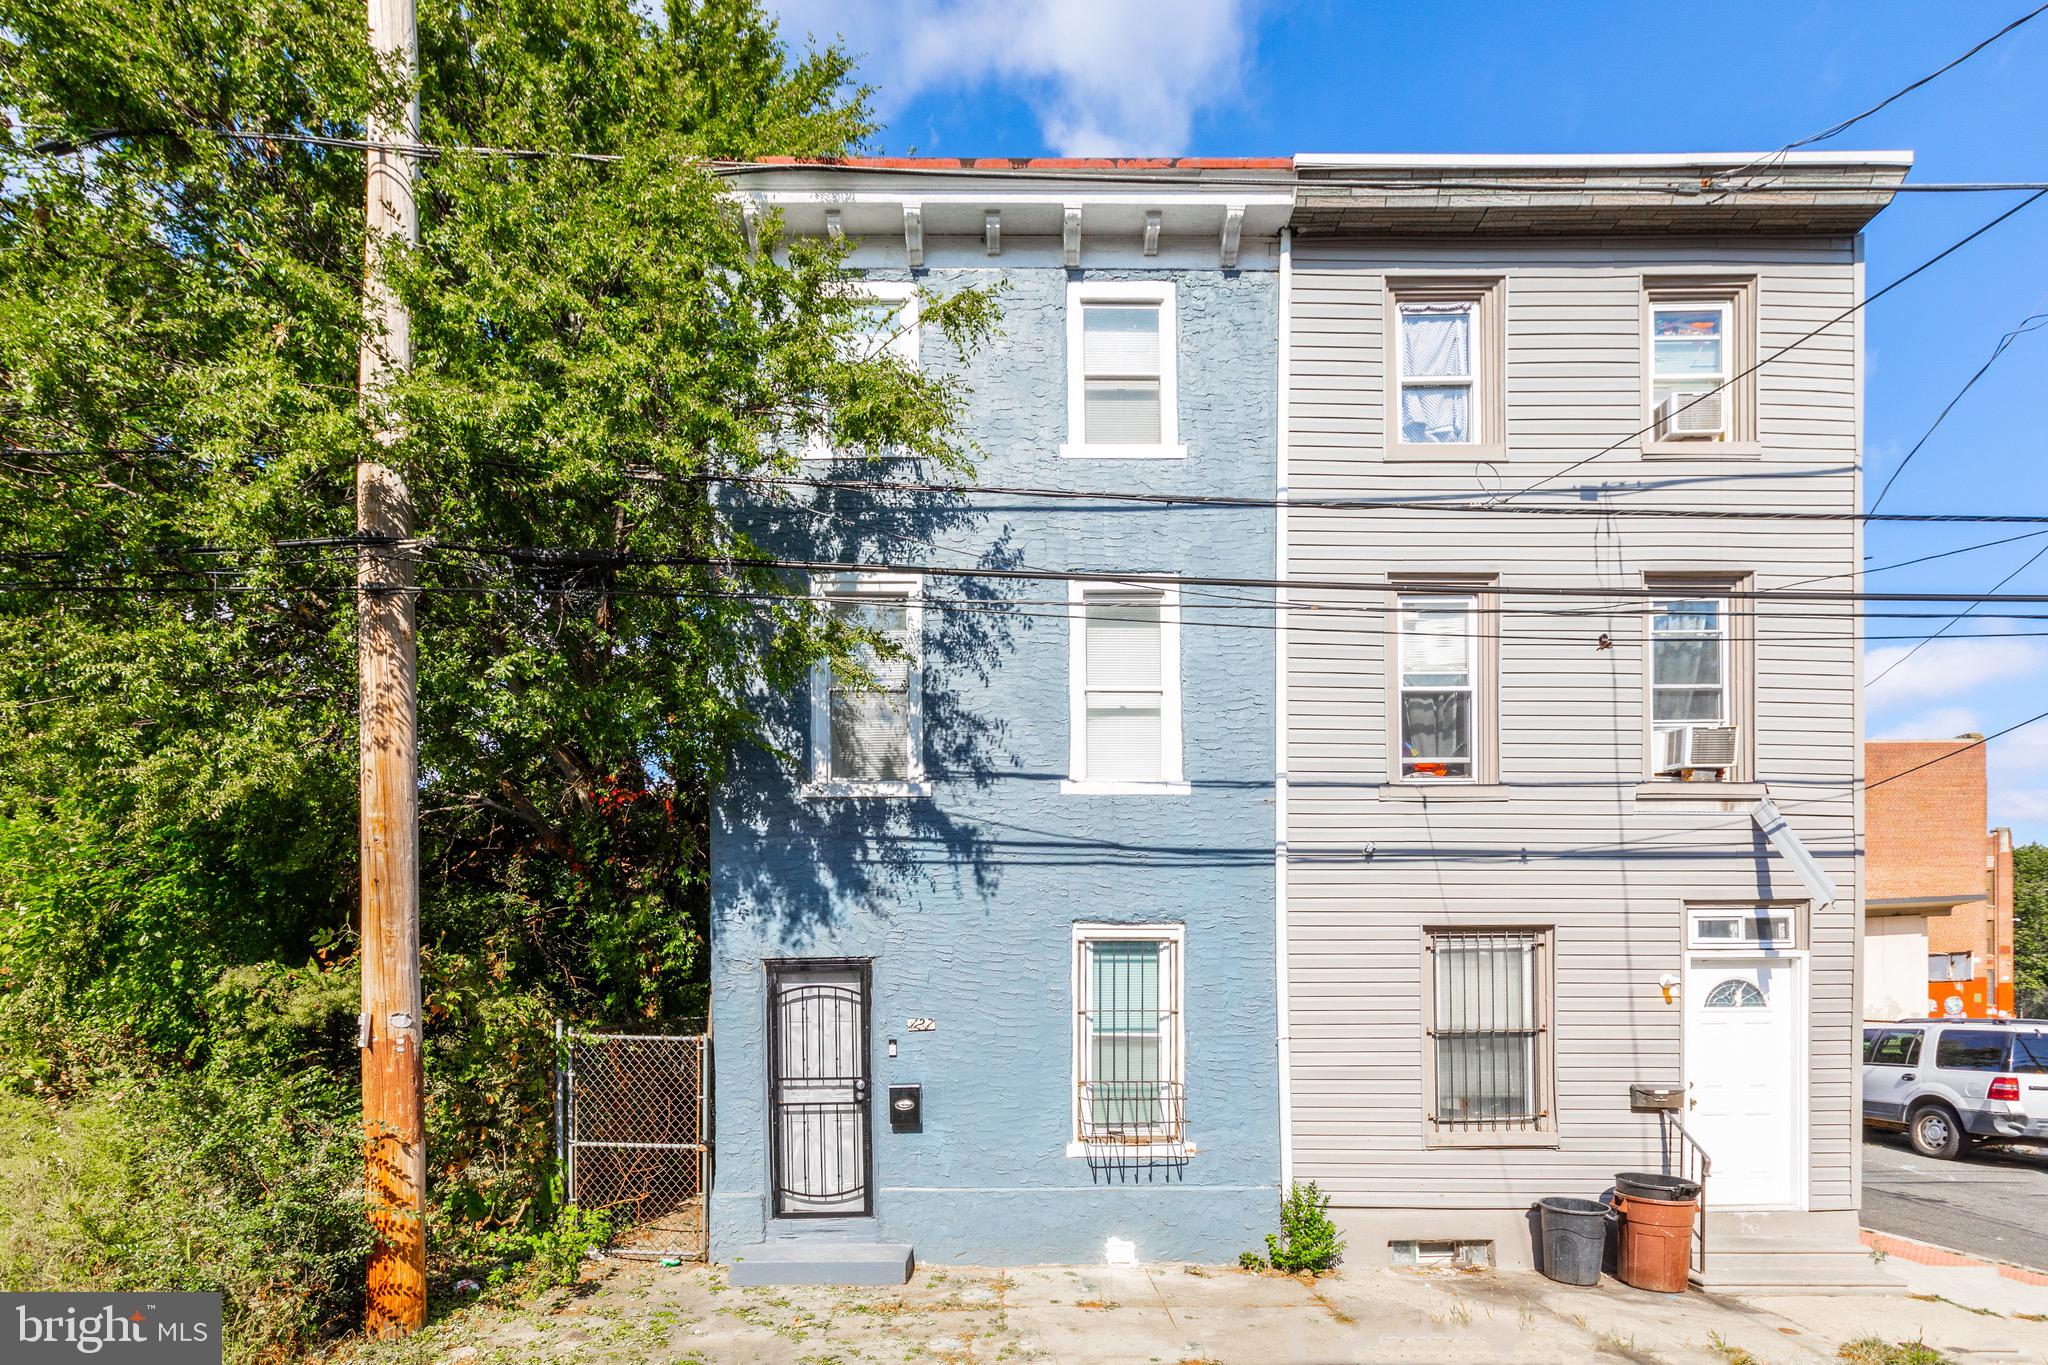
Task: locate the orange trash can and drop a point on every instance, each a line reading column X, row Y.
column 1656, row 1241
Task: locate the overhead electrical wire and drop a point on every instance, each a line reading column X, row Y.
column 1366, row 504
column 1846, row 313
column 2034, row 321
column 2026, row 564
column 1836, row 129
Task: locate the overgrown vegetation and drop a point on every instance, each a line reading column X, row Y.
column 1307, row 1241
column 594, row 345
column 2030, row 930
column 1878, row 1351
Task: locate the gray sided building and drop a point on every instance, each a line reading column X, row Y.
column 1526, row 867
column 993, row 940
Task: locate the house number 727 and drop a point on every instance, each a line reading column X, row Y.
column 921, row 1025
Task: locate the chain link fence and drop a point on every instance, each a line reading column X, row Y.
column 633, row 1132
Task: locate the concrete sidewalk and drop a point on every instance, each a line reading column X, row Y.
column 628, row 1312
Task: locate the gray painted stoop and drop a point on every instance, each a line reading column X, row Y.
column 1791, row 1253
column 846, row 1251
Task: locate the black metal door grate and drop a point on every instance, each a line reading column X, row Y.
column 818, row 1088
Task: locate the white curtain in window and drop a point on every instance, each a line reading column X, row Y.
column 1436, row 644
column 1482, row 986
column 1436, row 414
column 1436, row 340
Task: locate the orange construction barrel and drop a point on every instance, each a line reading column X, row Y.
column 1656, row 1241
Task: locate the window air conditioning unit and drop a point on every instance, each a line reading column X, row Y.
column 1696, row 746
column 1689, row 415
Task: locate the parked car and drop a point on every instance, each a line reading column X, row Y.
column 1951, row 1082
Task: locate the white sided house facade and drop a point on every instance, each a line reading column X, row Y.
column 1569, row 814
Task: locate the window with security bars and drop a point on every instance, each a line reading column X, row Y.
column 1126, row 717
column 1437, row 649
column 1128, row 1035
column 865, row 731
column 1121, row 374
column 1489, row 1019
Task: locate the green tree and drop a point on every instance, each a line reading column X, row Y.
column 594, row 341
column 598, row 351
column 2030, row 929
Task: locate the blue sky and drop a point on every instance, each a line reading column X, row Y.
column 1232, row 77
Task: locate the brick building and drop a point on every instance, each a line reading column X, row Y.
column 1938, row 908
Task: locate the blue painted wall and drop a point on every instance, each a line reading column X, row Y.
column 965, row 901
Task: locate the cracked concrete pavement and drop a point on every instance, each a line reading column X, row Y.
column 632, row 1312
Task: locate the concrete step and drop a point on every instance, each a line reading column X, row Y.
column 822, row 1260
column 824, row 1230
column 1829, row 1270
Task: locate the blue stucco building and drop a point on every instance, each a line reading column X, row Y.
column 1028, row 874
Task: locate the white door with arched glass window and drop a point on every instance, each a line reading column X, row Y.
column 1742, row 1078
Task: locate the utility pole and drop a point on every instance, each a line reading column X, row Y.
column 389, row 1033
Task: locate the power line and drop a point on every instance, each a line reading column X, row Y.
column 2024, row 566
column 2032, row 322
column 1850, row 311
column 561, row 558
column 1975, row 744
column 1364, row 504
column 1835, row 129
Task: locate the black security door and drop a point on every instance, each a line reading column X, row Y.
column 818, row 1087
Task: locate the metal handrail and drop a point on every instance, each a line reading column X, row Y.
column 1694, row 1164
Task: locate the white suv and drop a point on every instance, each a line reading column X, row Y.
column 1950, row 1082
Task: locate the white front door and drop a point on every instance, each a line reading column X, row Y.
column 1742, row 1073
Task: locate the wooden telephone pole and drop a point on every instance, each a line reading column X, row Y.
column 395, row 1149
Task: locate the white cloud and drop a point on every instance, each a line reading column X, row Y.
column 1945, row 668
column 1102, row 76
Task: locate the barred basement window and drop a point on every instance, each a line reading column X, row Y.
column 1489, row 1032
column 1127, row 1039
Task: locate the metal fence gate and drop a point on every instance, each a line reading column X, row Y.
column 633, row 1132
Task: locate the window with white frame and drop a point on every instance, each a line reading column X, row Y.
column 1125, row 683
column 1691, row 353
column 1489, row 1021
column 885, row 323
column 1121, row 383
column 1437, row 665
column 1128, row 1037
column 867, row 728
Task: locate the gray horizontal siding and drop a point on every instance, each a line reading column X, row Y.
column 1568, row 844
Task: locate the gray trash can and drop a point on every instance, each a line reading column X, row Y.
column 1574, row 1238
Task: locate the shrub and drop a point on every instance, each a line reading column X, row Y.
column 549, row 1257
column 1308, row 1240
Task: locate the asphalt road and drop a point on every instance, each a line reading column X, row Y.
column 1992, row 1202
